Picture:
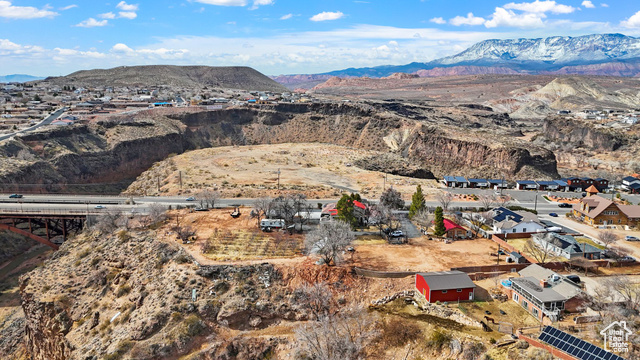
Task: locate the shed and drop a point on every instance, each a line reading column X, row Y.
column 454, row 230
column 445, row 286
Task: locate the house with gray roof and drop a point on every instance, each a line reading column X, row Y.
column 544, row 293
column 566, row 246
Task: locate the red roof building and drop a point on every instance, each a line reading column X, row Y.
column 445, row 286
column 454, row 230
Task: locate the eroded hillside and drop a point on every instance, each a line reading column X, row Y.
column 463, row 139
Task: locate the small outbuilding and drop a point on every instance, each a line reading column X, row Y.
column 445, row 286
column 453, row 230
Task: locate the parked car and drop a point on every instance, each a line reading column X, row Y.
column 396, row 233
column 627, row 259
column 631, row 238
column 553, row 215
column 100, row 207
column 191, row 198
column 574, row 278
column 15, row 196
column 565, row 205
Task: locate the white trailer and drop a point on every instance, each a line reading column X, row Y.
column 271, row 224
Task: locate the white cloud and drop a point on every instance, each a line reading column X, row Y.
column 127, row 15
column 393, row 43
column 438, row 20
column 127, row 7
column 68, row 7
column 7, row 10
column 604, row 5
column 541, row 7
column 502, row 17
column 224, row 2
column 108, row 15
column 286, row 17
column 469, row 20
column 588, row 4
column 91, row 22
column 327, row 15
column 632, row 22
column 257, row 3
column 121, row 48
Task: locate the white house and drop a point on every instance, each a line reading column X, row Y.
column 628, row 181
column 516, row 222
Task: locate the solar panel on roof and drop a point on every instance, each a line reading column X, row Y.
column 574, row 346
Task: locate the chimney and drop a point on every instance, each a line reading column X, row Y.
column 544, row 283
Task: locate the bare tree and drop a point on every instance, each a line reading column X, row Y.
column 424, row 218
column 607, row 237
column 338, row 337
column 380, row 215
column 626, row 288
column 302, row 209
column 444, row 198
column 503, row 200
column 262, row 208
column 478, row 220
column 329, row 240
column 542, row 251
column 316, row 298
column 208, row 198
column 392, row 199
column 156, row 213
column 284, row 207
column 184, row 232
column 487, row 199
column 109, row 221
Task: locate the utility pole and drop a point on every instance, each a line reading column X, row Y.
column 158, row 177
column 180, row 174
column 278, row 179
column 535, row 203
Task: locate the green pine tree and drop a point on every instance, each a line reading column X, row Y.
column 439, row 223
column 345, row 209
column 417, row 202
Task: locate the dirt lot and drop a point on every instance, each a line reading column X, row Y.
column 425, row 255
column 319, row 170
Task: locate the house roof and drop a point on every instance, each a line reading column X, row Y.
column 630, row 179
column 450, row 225
column 450, row 178
column 561, row 182
column 478, row 180
column 526, row 182
column 596, row 205
column 592, row 190
column 547, row 183
column 502, row 213
column 461, row 179
column 444, row 280
column 568, row 243
column 536, row 271
column 359, row 204
column 632, row 211
column 515, row 255
column 635, row 186
column 532, row 286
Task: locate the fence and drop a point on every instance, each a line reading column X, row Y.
column 384, row 274
column 555, row 352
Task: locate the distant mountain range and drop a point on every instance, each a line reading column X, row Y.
column 599, row 54
column 18, row 78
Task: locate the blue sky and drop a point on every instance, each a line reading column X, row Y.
column 280, row 36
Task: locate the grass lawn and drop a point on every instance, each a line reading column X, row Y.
column 586, row 240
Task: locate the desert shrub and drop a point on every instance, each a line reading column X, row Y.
column 193, row 326
column 473, row 350
column 123, row 290
column 182, row 258
column 439, row 338
column 397, row 332
column 123, row 236
column 123, row 347
column 84, row 253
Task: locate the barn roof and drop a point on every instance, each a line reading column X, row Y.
column 444, row 280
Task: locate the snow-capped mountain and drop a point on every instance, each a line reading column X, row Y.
column 556, row 50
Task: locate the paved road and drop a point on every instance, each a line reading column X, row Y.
column 56, row 114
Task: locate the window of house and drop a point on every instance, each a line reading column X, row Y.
column 535, row 312
column 516, row 297
column 525, row 304
column 444, row 291
column 459, row 290
column 524, row 229
column 514, row 230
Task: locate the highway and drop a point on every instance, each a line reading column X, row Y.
column 56, row 114
column 88, row 203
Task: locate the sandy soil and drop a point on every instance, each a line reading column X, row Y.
column 425, row 255
column 319, row 170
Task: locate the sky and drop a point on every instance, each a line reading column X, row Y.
column 51, row 38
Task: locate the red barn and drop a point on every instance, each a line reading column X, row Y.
column 445, row 286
